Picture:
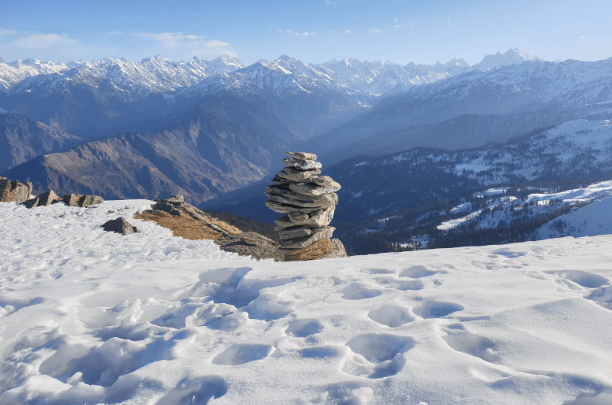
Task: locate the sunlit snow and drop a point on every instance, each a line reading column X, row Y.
column 94, row 317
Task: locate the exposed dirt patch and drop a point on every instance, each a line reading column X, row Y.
column 182, row 225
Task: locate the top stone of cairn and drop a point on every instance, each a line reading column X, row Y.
column 302, row 155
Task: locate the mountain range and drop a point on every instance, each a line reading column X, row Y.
column 209, row 129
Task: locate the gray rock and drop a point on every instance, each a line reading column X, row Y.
column 314, row 190
column 72, row 200
column 303, row 176
column 176, row 205
column 290, row 209
column 314, row 219
column 324, row 181
column 338, row 251
column 43, row 200
column 302, row 155
column 292, row 233
column 119, row 225
column 325, row 232
column 281, row 194
column 302, row 164
column 90, row 200
column 14, row 191
column 251, row 244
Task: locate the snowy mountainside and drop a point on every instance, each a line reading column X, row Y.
column 151, row 75
column 14, row 72
column 533, row 87
column 88, row 316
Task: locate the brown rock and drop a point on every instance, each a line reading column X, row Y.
column 338, row 251
column 14, row 191
column 73, row 200
column 314, row 251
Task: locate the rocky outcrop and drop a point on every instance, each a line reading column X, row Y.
column 119, row 225
column 308, row 202
column 43, row 200
column 72, row 200
column 251, row 244
column 14, row 191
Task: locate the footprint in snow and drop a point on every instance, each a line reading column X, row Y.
column 196, row 391
column 241, row 354
column 377, row 356
column 463, row 341
column 391, row 316
column 581, row 278
column 436, row 309
column 402, row 285
column 358, row 292
column 304, row 328
column 417, row 272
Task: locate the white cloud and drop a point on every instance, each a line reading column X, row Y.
column 398, row 26
column 375, row 31
column 185, row 45
column 6, row 31
column 114, row 33
column 347, row 31
column 582, row 37
column 305, row 33
column 43, row 41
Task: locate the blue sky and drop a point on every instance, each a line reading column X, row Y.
column 312, row 31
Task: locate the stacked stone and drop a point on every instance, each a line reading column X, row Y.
column 308, row 202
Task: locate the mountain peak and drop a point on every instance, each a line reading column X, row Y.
column 510, row 57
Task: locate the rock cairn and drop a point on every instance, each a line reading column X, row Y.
column 308, row 202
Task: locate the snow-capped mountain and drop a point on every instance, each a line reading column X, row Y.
column 133, row 79
column 14, row 72
column 544, row 88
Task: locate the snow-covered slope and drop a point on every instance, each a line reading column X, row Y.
column 12, row 73
column 152, row 75
column 95, row 317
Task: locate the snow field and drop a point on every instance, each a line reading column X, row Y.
column 95, row 317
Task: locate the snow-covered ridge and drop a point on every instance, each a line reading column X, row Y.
column 162, row 75
column 94, row 317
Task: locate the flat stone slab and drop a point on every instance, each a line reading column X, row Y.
column 314, row 190
column 251, row 244
column 281, row 194
column 325, row 232
column 295, row 232
column 318, row 218
column 289, row 209
column 300, row 176
column 302, row 164
column 302, row 155
column 43, row 200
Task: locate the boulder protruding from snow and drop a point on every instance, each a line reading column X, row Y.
column 14, row 191
column 309, row 202
column 43, row 200
column 83, row 201
column 119, row 225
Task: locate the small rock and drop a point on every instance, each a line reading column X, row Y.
column 72, row 200
column 119, row 225
column 43, row 200
column 317, row 218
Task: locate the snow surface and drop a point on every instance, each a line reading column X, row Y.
column 95, row 317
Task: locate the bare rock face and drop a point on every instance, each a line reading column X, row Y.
column 119, row 225
column 14, row 191
column 309, row 203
